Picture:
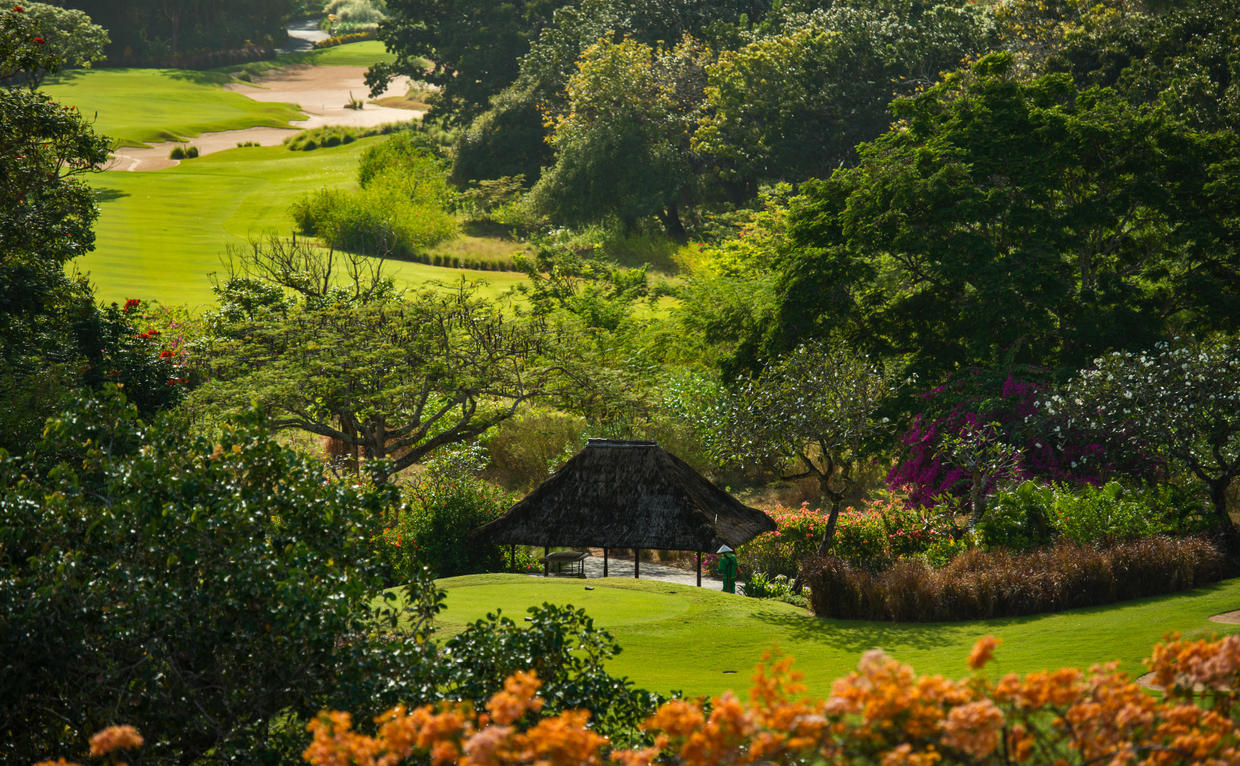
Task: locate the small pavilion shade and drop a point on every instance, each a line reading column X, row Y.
column 627, row 494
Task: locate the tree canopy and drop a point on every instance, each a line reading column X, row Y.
column 396, row 376
column 1004, row 220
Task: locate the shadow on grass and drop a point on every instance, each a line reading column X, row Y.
column 861, row 635
column 200, row 77
column 108, row 194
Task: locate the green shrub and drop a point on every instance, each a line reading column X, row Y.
column 943, row 551
column 1110, row 512
column 143, row 568
column 777, row 587
column 980, row 584
column 1019, row 518
column 560, row 643
column 442, row 506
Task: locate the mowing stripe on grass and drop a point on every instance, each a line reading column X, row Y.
column 142, row 106
column 160, row 233
column 678, row 637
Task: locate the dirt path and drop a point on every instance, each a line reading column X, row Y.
column 320, row 91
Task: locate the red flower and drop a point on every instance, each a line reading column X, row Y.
column 17, row 9
column 38, row 41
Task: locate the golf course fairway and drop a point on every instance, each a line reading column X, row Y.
column 703, row 642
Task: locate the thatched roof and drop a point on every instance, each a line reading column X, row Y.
column 627, row 494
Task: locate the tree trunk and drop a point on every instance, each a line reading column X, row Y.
column 1218, row 497
column 671, row 222
column 828, row 537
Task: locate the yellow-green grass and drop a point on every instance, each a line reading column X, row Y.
column 134, row 107
column 686, row 638
column 362, row 53
column 161, row 233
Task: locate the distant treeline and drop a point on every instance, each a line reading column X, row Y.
column 189, row 33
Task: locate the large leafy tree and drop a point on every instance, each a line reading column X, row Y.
column 473, row 48
column 52, row 336
column 508, row 138
column 1177, row 406
column 818, row 408
column 792, row 105
column 1005, row 220
column 395, row 377
column 622, row 143
column 210, row 593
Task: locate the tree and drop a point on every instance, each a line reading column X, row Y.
column 212, row 594
column 818, row 406
column 1176, row 405
column 622, row 143
column 394, row 376
column 508, row 136
column 69, row 36
column 468, row 50
column 53, row 338
column 794, row 104
column 1007, row 222
column 170, row 28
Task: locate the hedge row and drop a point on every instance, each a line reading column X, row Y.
column 980, row 584
column 345, row 39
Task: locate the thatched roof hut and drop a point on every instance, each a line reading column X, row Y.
column 627, row 494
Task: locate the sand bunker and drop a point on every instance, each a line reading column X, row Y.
column 320, row 91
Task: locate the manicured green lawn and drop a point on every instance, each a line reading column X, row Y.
column 160, row 233
column 677, row 637
column 364, row 53
column 141, row 106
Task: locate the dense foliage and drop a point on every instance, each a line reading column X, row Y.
column 169, row 29
column 142, row 568
column 401, row 209
column 53, row 338
column 1016, row 221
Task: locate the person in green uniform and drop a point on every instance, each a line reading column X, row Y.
column 727, row 568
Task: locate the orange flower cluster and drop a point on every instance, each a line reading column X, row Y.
column 454, row 734
column 105, row 742
column 883, row 713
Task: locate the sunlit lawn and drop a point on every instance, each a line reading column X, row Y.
column 160, row 233
column 678, row 637
column 140, row 106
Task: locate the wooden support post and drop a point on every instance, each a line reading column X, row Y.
column 699, row 553
column 604, row 562
column 637, row 563
column 546, row 564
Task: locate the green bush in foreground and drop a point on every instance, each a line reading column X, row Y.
column 141, row 568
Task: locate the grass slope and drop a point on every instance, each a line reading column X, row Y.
column 141, row 106
column 160, row 233
column 677, row 637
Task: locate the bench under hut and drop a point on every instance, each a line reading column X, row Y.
column 627, row 494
